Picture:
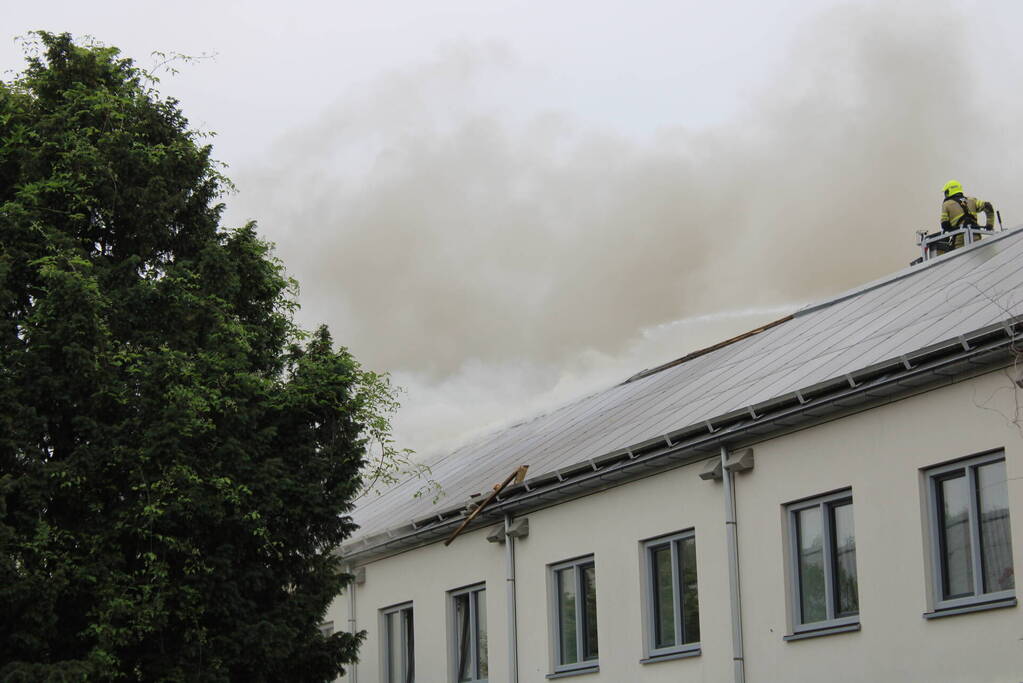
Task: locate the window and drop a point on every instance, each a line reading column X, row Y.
column 574, row 614
column 469, row 620
column 398, row 644
column 672, row 606
column 823, row 560
column 970, row 536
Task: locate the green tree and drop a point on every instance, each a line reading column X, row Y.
column 177, row 458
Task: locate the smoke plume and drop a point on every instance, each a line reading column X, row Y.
column 488, row 254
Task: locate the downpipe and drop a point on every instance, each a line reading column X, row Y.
column 513, row 633
column 734, row 593
column 353, row 672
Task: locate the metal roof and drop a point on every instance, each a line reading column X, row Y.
column 893, row 318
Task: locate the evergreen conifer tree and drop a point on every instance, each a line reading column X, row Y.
column 177, row 459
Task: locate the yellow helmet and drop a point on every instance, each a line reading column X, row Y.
column 952, row 187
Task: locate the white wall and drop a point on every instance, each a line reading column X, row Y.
column 878, row 454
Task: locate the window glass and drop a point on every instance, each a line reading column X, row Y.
column 567, row 615
column 408, row 635
column 398, row 645
column 469, row 616
column 462, row 634
column 480, row 597
column 957, row 564
column 823, row 555
column 672, row 604
column 690, row 601
column 664, row 596
column 589, row 581
column 574, row 602
column 995, row 534
column 395, row 647
column 812, row 600
column 844, row 560
column 971, row 537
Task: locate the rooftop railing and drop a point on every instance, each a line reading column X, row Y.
column 937, row 243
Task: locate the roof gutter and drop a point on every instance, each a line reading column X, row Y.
column 986, row 349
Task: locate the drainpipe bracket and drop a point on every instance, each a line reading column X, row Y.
column 360, row 575
column 496, row 534
column 711, row 470
column 740, row 461
column 519, row 528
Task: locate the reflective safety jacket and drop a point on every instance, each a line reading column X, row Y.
column 952, row 212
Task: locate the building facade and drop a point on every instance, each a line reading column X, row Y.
column 868, row 449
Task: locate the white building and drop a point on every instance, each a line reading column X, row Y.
column 873, row 451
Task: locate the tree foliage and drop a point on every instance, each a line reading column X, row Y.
column 177, row 459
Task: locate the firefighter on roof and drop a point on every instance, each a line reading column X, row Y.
column 960, row 211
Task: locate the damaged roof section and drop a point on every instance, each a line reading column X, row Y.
column 902, row 319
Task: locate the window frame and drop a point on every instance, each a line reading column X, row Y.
column 673, row 541
column 473, row 592
column 933, row 478
column 408, row 664
column 555, row 618
column 826, row 503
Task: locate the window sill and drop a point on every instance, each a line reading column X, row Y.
column 966, row 609
column 668, row 656
column 574, row 672
column 826, row 631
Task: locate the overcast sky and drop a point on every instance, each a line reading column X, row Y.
column 507, row 204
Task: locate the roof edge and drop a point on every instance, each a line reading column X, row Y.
column 755, row 419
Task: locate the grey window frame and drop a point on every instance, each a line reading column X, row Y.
column 473, row 592
column 649, row 613
column 554, row 610
column 408, row 665
column 935, row 475
column 826, row 503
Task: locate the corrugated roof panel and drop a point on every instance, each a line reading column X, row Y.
column 875, row 323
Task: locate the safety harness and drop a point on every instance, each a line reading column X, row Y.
column 968, row 218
